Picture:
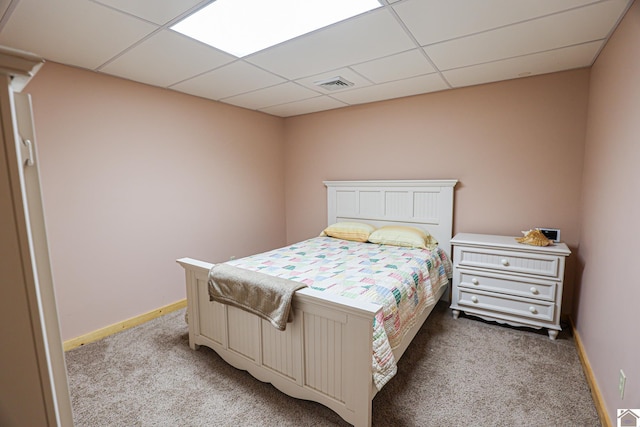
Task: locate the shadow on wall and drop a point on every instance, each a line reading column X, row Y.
column 578, row 270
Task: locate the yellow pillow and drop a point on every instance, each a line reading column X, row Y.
column 356, row 231
column 398, row 235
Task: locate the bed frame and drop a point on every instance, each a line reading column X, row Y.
column 324, row 355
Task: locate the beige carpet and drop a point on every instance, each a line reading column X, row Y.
column 456, row 372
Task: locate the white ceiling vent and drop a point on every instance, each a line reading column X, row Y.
column 334, row 83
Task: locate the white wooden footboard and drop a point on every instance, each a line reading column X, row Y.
column 324, row 355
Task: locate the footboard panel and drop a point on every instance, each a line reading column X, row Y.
column 323, row 351
column 324, row 355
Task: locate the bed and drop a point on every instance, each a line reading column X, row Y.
column 325, row 354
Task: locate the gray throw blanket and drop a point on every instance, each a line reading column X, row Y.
column 266, row 296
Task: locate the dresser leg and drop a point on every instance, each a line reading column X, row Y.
column 456, row 313
column 553, row 334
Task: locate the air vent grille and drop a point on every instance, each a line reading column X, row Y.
column 334, row 83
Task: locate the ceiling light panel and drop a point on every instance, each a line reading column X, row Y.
column 242, row 27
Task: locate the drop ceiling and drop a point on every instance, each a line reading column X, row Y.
column 406, row 47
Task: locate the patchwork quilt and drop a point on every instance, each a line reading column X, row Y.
column 402, row 280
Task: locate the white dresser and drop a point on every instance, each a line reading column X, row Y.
column 497, row 278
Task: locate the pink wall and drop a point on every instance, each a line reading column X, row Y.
column 516, row 147
column 134, row 177
column 609, row 295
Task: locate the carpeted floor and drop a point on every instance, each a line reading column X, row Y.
column 456, row 372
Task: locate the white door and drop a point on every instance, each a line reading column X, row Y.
column 34, row 281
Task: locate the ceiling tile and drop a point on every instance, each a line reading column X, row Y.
column 407, row 87
column 166, row 58
column 522, row 66
column 156, row 11
column 274, row 95
column 395, row 67
column 369, row 36
column 432, row 21
column 229, row 80
column 577, row 26
column 348, row 74
column 306, row 106
column 77, row 32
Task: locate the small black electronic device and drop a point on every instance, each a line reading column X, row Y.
column 551, row 233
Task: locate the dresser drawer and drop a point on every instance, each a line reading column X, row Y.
column 508, row 261
column 513, row 285
column 505, row 304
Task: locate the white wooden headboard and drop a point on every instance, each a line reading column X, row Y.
column 425, row 204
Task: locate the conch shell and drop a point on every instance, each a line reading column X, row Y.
column 534, row 237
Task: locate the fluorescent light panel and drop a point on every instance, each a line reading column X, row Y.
column 242, row 27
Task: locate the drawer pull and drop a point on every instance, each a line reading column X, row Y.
column 534, row 290
column 474, row 299
column 504, row 262
column 533, row 310
column 474, row 281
